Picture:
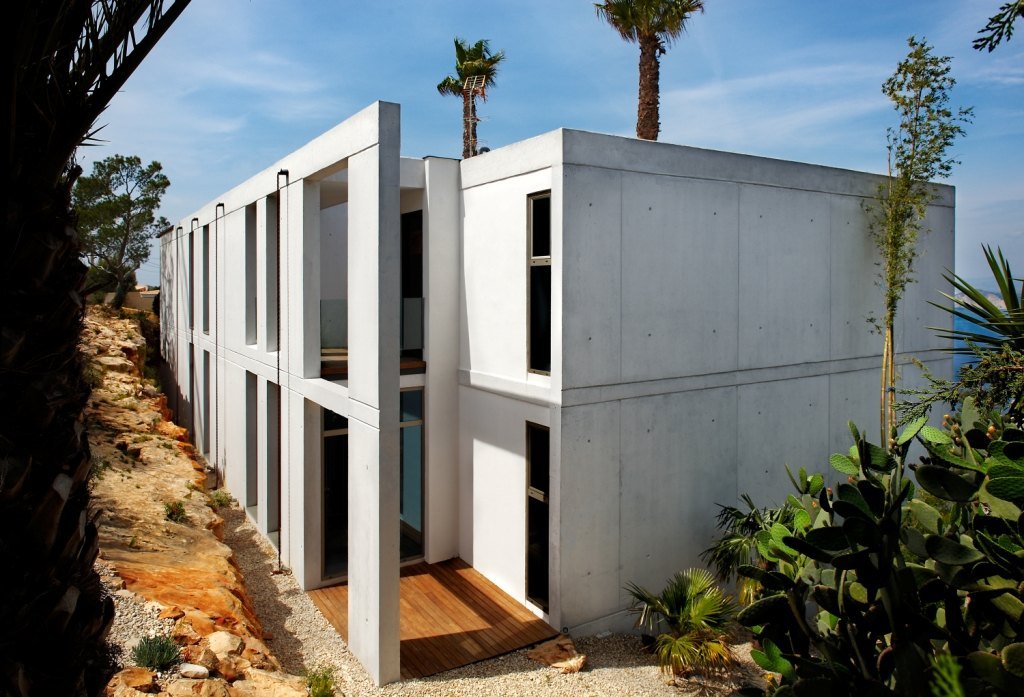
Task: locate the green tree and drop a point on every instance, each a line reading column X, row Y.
column 1000, row 26
column 68, row 58
column 116, row 209
column 653, row 25
column 917, row 154
column 474, row 61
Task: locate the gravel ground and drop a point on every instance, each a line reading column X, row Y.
column 134, row 618
column 303, row 639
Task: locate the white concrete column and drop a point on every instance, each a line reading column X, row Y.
column 301, row 492
column 303, row 294
column 441, row 227
column 266, row 274
column 373, row 297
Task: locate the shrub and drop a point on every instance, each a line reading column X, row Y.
column 220, row 499
column 872, row 583
column 320, row 682
column 691, row 614
column 175, row 511
column 156, row 652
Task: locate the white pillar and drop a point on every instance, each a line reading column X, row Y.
column 441, row 234
column 373, row 298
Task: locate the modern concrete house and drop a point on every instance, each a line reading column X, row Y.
column 551, row 360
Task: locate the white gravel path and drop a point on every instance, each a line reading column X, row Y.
column 303, row 639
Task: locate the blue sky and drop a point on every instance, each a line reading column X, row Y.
column 236, row 84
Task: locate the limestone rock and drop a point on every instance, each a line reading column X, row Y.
column 225, row 643
column 121, row 365
column 559, row 653
column 172, row 613
column 191, row 670
column 211, row 687
column 262, row 683
column 200, row 655
column 132, row 681
column 232, row 667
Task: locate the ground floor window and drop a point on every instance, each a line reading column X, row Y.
column 411, row 474
column 335, row 495
column 538, row 485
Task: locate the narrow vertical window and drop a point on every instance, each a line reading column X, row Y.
column 191, row 280
column 335, row 498
column 539, row 283
column 206, row 279
column 538, row 485
column 252, row 479
column 250, row 274
column 410, row 496
column 272, row 257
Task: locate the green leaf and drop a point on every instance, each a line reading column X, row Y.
column 927, row 516
column 949, row 552
column 936, row 435
column 858, row 592
column 1013, row 659
column 828, row 538
column 1008, row 489
column 780, row 532
column 773, row 608
column 841, row 463
column 999, row 507
column 969, row 414
column 941, row 482
column 911, row 430
column 801, row 519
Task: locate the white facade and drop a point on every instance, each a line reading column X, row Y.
column 707, row 325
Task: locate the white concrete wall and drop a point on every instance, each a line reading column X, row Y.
column 715, row 329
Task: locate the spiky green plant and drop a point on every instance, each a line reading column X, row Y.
column 690, row 614
column 1001, row 326
column 156, row 652
column 737, row 546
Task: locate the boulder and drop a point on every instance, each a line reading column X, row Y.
column 225, row 643
column 232, row 667
column 200, row 655
column 263, row 683
column 132, row 681
column 193, row 671
column 211, row 687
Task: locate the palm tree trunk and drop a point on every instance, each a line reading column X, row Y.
column 647, row 117
column 467, row 125
column 53, row 616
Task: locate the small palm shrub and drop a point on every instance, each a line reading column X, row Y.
column 690, row 616
column 320, row 682
column 156, row 652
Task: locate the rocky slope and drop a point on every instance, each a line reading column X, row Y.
column 162, row 554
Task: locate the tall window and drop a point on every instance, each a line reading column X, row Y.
column 411, row 475
column 538, row 481
column 206, row 279
column 191, row 280
column 539, row 283
column 335, row 499
column 250, row 274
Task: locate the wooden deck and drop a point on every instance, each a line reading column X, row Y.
column 450, row 616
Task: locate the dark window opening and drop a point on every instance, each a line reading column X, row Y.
column 412, row 285
column 538, row 466
column 335, row 498
column 539, row 284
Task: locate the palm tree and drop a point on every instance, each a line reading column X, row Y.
column 692, row 613
column 654, row 25
column 474, row 61
column 68, row 58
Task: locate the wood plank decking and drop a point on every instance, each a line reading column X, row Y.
column 450, row 616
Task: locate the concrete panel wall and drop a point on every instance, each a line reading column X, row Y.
column 494, row 275
column 334, row 252
column 492, row 484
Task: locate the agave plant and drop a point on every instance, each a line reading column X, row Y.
column 1000, row 327
column 691, row 614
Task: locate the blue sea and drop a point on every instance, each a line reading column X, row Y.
column 960, row 324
